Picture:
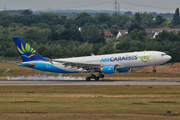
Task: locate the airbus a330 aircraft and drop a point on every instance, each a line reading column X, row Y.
column 107, row 64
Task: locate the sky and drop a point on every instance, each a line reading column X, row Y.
column 159, row 6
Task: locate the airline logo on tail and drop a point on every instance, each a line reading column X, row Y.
column 26, row 51
column 145, row 58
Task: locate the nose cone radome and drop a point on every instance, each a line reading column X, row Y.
column 168, row 57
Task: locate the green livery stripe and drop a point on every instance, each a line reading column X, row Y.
column 27, row 47
column 20, row 50
column 34, row 51
column 145, row 57
column 31, row 49
column 149, row 57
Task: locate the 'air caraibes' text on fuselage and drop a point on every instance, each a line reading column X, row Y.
column 123, row 58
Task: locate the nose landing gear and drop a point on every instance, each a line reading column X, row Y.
column 154, row 70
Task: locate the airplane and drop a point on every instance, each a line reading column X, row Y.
column 107, row 64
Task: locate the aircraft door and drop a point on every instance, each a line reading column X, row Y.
column 48, row 65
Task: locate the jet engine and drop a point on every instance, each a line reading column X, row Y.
column 108, row 69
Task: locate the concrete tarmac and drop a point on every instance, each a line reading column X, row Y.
column 81, row 82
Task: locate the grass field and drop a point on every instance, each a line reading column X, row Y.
column 90, row 102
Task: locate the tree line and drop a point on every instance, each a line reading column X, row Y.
column 58, row 37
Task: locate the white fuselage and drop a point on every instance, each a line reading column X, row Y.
column 121, row 60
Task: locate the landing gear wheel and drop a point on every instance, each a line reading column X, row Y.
column 101, row 76
column 93, row 76
column 88, row 79
column 154, row 71
column 96, row 78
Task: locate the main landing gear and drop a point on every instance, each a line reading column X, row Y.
column 154, row 70
column 96, row 78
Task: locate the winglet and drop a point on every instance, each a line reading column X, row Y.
column 26, row 52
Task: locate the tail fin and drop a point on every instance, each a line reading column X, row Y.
column 26, row 52
column 92, row 54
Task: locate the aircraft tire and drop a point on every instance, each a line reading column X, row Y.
column 88, row 78
column 101, row 76
column 93, row 76
column 96, row 78
column 154, row 71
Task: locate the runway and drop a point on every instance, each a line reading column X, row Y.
column 81, row 82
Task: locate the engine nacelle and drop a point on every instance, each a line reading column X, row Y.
column 124, row 70
column 108, row 69
column 31, row 64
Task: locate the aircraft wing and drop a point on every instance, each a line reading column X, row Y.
column 84, row 65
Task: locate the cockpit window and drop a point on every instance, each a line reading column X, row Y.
column 163, row 55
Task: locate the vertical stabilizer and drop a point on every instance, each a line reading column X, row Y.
column 26, row 52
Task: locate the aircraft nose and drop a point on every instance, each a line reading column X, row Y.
column 169, row 57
